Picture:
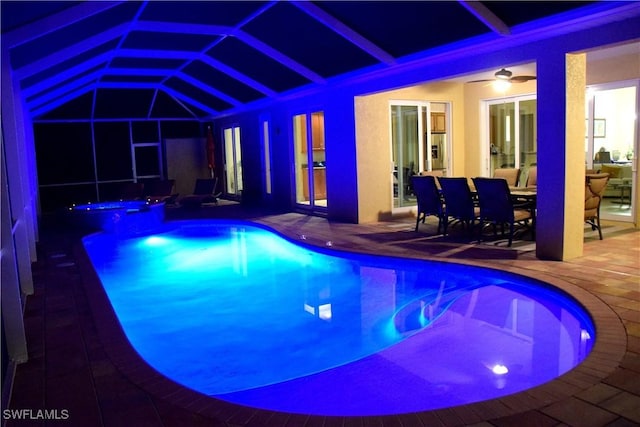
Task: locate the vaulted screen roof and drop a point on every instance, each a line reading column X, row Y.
column 205, row 58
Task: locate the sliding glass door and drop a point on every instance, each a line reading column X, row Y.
column 611, row 145
column 406, row 128
column 310, row 161
column 232, row 161
column 419, row 143
column 512, row 135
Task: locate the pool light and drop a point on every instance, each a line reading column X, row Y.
column 499, row 369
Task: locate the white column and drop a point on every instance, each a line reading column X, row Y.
column 10, row 285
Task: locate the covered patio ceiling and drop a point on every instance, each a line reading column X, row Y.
column 203, row 59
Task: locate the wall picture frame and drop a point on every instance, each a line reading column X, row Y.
column 599, row 128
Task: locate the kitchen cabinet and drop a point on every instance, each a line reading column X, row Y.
column 438, row 123
column 319, row 183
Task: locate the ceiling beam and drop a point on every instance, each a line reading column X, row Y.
column 70, row 52
column 218, row 30
column 206, row 88
column 57, row 102
column 69, row 73
column 62, row 90
column 193, row 56
column 345, row 31
column 231, row 72
column 487, row 17
column 280, row 57
column 44, row 26
column 189, row 100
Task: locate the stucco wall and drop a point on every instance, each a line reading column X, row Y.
column 375, row 167
column 474, row 95
column 605, row 70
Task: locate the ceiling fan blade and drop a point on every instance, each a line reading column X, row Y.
column 478, row 81
column 522, row 79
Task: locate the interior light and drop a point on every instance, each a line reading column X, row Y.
column 501, row 85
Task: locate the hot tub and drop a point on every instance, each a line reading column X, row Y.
column 119, row 217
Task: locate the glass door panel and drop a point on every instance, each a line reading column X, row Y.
column 611, row 146
column 436, row 157
column 527, row 118
column 512, row 126
column 310, row 160
column 406, row 148
column 233, row 161
column 419, row 143
column 502, row 136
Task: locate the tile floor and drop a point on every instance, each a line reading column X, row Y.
column 80, row 361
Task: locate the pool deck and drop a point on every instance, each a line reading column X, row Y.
column 80, row 361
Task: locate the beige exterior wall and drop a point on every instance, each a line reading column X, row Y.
column 474, row 94
column 574, row 150
column 374, row 146
column 373, row 142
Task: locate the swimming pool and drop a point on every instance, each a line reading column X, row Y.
column 237, row 312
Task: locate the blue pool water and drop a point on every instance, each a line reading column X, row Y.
column 235, row 311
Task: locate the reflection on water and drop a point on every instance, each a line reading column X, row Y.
column 235, row 310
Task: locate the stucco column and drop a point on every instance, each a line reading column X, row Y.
column 561, row 132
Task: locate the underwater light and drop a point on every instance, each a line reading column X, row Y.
column 499, row 369
column 156, row 241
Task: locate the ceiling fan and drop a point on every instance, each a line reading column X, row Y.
column 505, row 75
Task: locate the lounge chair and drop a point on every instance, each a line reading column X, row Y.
column 158, row 191
column 203, row 192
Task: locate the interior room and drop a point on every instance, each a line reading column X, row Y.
column 311, row 120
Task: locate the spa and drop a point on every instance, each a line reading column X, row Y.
column 211, row 215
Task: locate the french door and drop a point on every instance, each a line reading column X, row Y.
column 310, row 161
column 611, row 144
column 419, row 142
column 232, row 161
column 512, row 135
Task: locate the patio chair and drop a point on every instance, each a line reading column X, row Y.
column 459, row 204
column 510, row 174
column 429, row 200
column 497, row 207
column 532, row 177
column 436, row 173
column 203, row 192
column 595, row 186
